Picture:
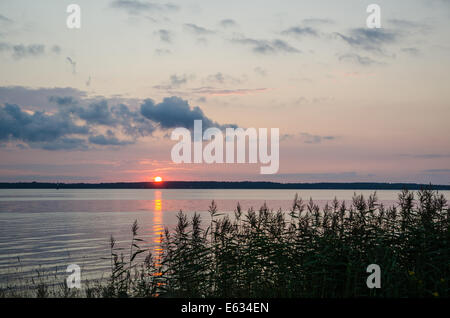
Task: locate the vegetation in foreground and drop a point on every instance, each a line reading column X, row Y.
column 304, row 252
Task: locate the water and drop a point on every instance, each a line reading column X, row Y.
column 44, row 231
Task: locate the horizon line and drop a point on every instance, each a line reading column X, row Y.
column 226, row 185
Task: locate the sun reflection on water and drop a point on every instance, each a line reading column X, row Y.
column 158, row 227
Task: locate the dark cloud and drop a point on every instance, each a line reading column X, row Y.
column 62, row 101
column 61, row 130
column 62, row 144
column 369, row 39
column 130, row 122
column 266, row 46
column 228, row 23
column 358, row 59
column 136, row 7
column 175, row 112
column 37, row 128
column 109, row 140
column 96, row 113
column 81, row 124
column 198, row 29
column 299, row 31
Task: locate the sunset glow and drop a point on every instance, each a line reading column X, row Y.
column 157, row 179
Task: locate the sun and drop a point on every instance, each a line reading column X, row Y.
column 158, row 179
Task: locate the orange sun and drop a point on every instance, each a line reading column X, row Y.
column 158, row 179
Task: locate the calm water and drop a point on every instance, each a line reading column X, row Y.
column 46, row 230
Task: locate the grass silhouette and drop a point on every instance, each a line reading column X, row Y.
column 304, row 252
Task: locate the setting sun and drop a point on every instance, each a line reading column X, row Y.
column 158, row 179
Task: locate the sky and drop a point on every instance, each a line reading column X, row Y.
column 99, row 103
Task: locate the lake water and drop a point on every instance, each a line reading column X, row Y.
column 46, row 230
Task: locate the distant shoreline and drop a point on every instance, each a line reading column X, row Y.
column 225, row 185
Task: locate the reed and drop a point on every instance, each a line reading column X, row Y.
column 307, row 251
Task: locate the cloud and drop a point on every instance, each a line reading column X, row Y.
column 426, row 156
column 358, row 59
column 314, row 100
column 228, row 23
column 136, row 7
column 165, row 35
column 121, row 117
column 407, row 25
column 37, row 128
column 96, row 113
column 411, row 51
column 266, row 46
column 324, row 176
column 109, row 140
column 73, row 64
column 73, row 126
column 62, row 101
column 369, row 39
column 198, row 29
column 437, row 171
column 175, row 112
column 5, row 20
column 221, row 78
column 4, row 47
column 20, row 51
column 47, row 178
column 260, row 71
column 80, row 124
column 299, row 31
column 56, row 49
column 37, row 98
column 317, row 21
column 314, row 139
column 223, row 92
column 162, row 52
column 62, row 144
column 175, row 81
column 132, row 122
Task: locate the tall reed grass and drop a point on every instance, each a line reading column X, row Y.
column 307, row 251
